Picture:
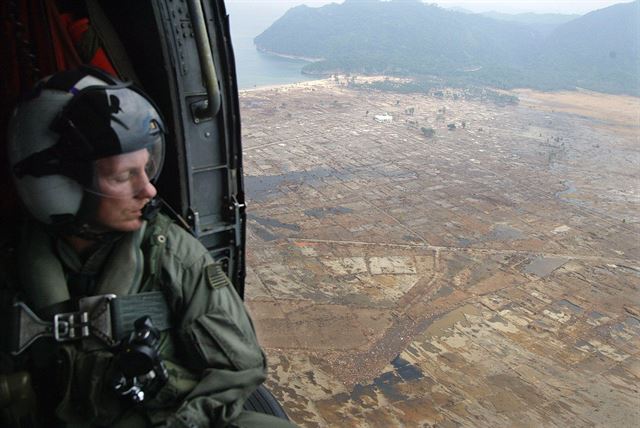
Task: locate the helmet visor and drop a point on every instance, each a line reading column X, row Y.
column 127, row 175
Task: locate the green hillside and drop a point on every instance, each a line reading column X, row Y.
column 409, row 38
column 543, row 23
column 600, row 50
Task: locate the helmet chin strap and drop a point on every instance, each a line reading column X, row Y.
column 83, row 224
column 95, row 233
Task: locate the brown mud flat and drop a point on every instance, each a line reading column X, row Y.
column 616, row 111
column 486, row 276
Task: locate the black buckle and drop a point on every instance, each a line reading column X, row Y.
column 93, row 319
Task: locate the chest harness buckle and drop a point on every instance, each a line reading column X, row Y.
column 106, row 317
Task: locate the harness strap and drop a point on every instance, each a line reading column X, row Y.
column 106, row 318
column 112, row 44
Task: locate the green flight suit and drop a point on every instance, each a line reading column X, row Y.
column 211, row 351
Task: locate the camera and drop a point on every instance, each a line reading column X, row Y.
column 139, row 370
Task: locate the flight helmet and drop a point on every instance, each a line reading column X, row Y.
column 71, row 120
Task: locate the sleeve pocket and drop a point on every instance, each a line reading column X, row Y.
column 223, row 343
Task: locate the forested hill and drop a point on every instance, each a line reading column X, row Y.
column 598, row 51
column 544, row 23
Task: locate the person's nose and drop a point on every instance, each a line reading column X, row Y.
column 148, row 190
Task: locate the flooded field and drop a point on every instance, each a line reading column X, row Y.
column 483, row 273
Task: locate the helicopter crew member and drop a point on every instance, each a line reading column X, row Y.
column 119, row 317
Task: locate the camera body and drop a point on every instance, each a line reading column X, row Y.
column 139, row 370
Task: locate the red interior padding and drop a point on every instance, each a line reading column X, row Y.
column 36, row 42
column 77, row 29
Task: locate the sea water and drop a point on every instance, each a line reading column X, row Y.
column 256, row 69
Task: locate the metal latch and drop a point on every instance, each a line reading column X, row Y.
column 70, row 326
column 200, row 111
column 93, row 319
column 236, row 206
column 193, row 218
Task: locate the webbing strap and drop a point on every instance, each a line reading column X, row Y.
column 111, row 42
column 106, row 318
column 125, row 310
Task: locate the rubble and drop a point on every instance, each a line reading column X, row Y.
column 483, row 277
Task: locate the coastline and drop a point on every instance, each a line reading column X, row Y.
column 322, row 82
column 287, row 56
column 287, row 86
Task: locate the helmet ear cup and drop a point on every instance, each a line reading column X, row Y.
column 50, row 196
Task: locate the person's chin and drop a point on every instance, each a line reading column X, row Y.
column 129, row 225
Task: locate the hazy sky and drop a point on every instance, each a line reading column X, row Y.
column 539, row 6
